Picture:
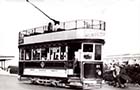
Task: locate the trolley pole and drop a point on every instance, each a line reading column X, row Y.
column 55, row 21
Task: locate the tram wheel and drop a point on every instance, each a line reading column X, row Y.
column 33, row 82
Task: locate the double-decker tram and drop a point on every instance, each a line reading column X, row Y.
column 69, row 54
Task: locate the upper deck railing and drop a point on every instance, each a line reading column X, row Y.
column 64, row 26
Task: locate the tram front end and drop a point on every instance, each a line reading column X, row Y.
column 91, row 74
column 90, row 65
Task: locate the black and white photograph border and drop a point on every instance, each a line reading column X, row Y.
column 69, row 44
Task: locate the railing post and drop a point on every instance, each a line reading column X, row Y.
column 100, row 25
column 34, row 31
column 104, row 26
column 84, row 24
column 92, row 23
column 64, row 25
column 76, row 24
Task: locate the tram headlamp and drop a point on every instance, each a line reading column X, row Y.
column 99, row 72
column 87, row 56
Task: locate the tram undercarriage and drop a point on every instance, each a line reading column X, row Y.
column 73, row 82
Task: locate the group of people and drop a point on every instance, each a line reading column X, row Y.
column 120, row 77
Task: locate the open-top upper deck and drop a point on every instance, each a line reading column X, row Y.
column 78, row 29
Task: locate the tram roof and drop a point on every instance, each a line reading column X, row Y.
column 78, row 29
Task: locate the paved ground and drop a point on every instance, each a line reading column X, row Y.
column 2, row 72
column 10, row 82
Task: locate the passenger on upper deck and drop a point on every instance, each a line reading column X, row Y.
column 50, row 27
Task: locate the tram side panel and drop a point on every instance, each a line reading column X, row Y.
column 45, row 69
column 56, row 62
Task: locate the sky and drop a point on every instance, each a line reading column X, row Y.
column 122, row 21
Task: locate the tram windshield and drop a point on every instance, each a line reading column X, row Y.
column 98, row 51
column 88, row 48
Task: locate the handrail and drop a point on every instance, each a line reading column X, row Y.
column 65, row 26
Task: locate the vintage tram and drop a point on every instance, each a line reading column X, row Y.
column 68, row 54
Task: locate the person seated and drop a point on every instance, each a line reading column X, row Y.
column 50, row 28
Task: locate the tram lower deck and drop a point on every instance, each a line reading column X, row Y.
column 70, row 64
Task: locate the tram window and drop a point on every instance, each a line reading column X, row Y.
column 63, row 49
column 57, row 50
column 44, row 52
column 72, row 48
column 62, row 53
column 54, row 53
column 56, row 56
column 88, row 48
column 97, row 52
column 28, row 54
column 51, row 52
column 36, row 54
column 21, row 54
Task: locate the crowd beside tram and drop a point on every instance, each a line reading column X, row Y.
column 120, row 74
